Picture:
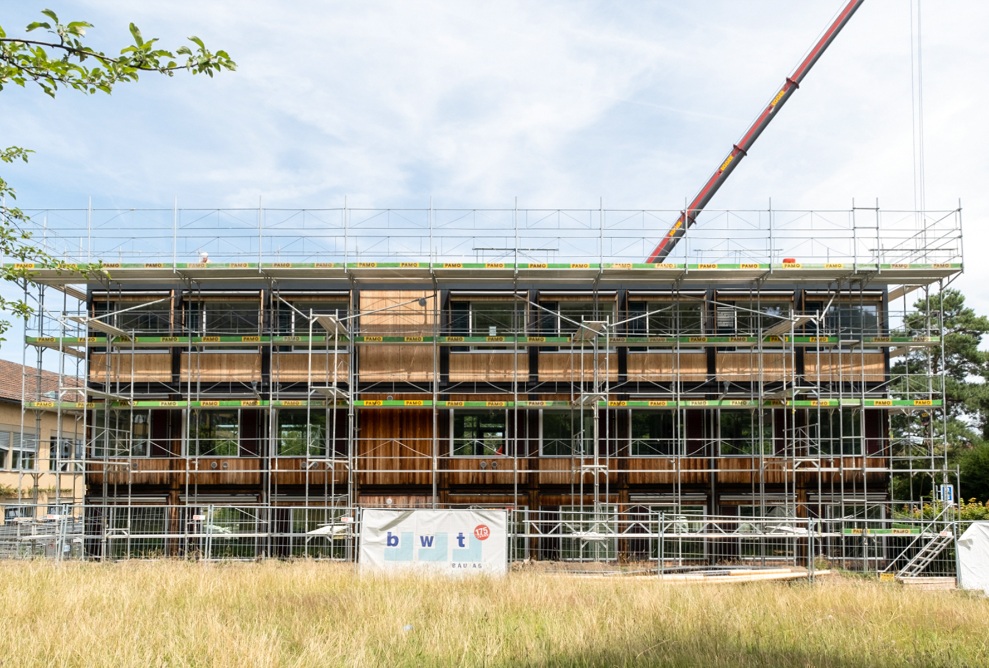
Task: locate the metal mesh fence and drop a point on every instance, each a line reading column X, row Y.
column 567, row 539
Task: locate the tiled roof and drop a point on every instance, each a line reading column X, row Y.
column 12, row 382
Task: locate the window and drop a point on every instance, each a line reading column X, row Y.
column 657, row 433
column 562, row 318
column 214, row 433
column 224, row 316
column 745, row 432
column 11, row 513
column 567, row 433
column 65, row 454
column 487, row 317
column 302, row 433
column 150, row 315
column 122, row 433
column 296, row 323
column 849, row 318
column 24, row 452
column 751, row 318
column 667, row 318
column 839, row 432
column 479, row 433
column 4, row 448
column 754, row 317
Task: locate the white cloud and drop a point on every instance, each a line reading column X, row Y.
column 556, row 103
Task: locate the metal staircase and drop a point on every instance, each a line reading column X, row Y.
column 927, row 554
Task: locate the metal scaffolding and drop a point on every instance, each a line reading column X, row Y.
column 749, row 378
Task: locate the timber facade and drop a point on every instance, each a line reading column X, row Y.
column 693, row 389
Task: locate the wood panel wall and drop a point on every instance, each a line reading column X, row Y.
column 293, row 367
column 745, row 470
column 647, row 366
column 566, row 470
column 411, row 319
column 567, row 366
column 225, row 471
column 496, row 471
column 157, row 471
column 395, row 446
column 219, row 367
column 848, row 366
column 398, row 363
column 293, row 471
column 490, row 367
column 126, row 367
column 745, row 366
column 666, row 470
column 396, row 317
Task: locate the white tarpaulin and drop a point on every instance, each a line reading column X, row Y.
column 435, row 541
column 973, row 557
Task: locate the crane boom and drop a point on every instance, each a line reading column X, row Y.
column 740, row 150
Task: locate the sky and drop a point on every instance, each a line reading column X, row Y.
column 548, row 104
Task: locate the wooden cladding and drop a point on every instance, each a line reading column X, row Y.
column 393, row 313
column 300, row 471
column 294, row 367
column 398, row 363
column 500, row 367
column 567, row 366
column 748, row 470
column 395, row 448
column 225, row 471
column 750, row 366
column 646, row 366
column 397, row 312
column 220, row 367
column 484, row 471
column 566, row 470
column 125, row 367
column 180, row 471
column 849, row 366
column 667, row 470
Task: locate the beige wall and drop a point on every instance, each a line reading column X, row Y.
column 38, row 483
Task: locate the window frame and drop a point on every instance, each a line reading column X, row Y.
column 587, row 441
column 850, row 440
column 309, row 438
column 121, row 429
column 201, row 310
column 677, row 433
column 767, row 439
column 193, row 417
column 504, row 444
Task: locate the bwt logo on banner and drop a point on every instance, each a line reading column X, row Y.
column 466, row 552
column 447, row 541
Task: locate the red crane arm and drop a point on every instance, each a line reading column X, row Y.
column 741, row 149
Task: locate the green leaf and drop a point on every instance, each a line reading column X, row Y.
column 38, row 24
column 136, row 34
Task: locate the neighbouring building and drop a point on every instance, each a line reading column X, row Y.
column 41, row 451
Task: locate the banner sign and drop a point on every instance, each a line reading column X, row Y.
column 434, row 541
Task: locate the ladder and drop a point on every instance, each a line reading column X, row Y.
column 927, row 554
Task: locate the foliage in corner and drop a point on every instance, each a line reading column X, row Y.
column 958, row 434
column 60, row 59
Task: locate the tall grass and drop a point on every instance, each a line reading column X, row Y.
column 317, row 614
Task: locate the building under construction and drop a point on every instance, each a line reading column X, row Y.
column 286, row 367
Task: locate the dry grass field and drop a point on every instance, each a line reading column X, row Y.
column 316, row 614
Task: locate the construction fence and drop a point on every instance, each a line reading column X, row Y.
column 566, row 539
